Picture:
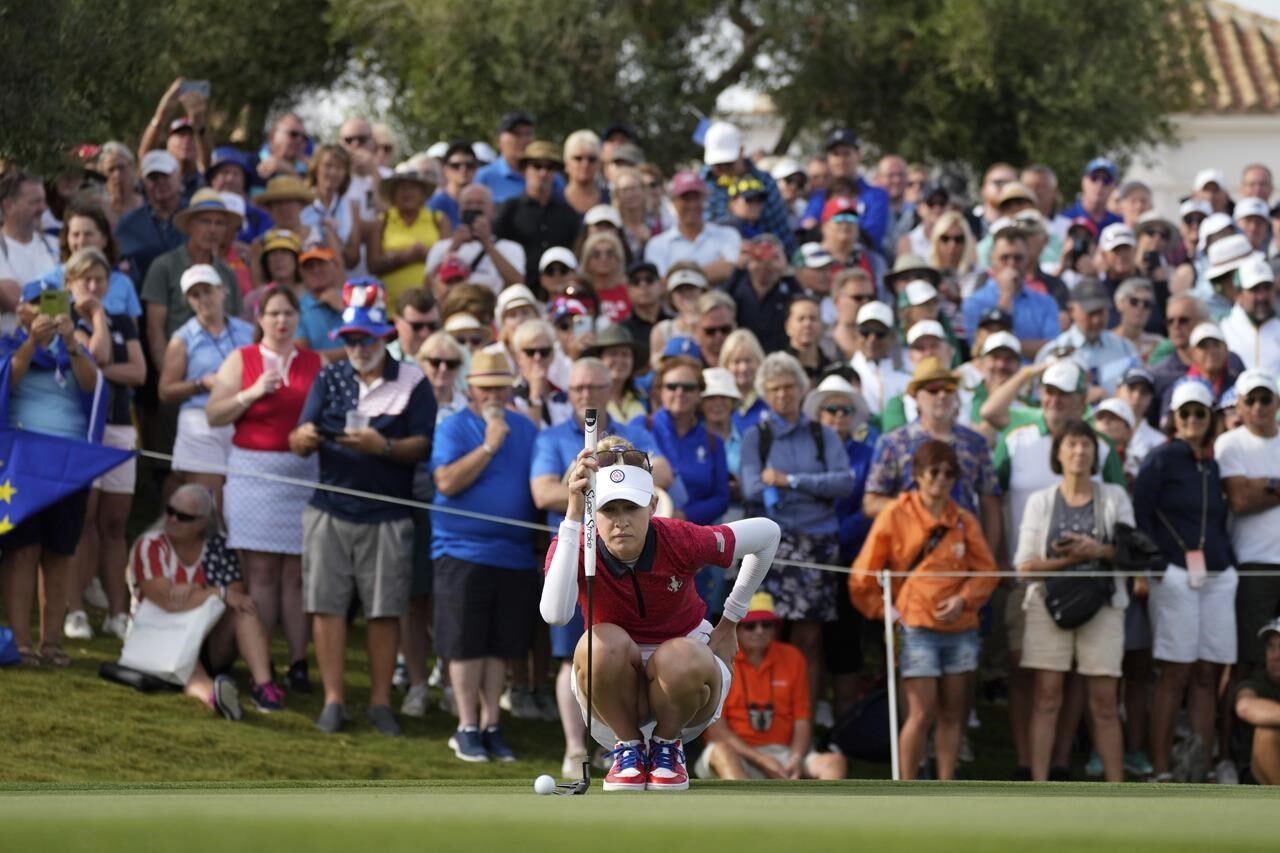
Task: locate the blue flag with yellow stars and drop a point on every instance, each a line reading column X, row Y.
column 37, row 470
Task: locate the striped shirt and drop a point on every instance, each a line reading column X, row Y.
column 155, row 557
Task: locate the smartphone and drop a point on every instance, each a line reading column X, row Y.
column 200, row 87
column 1061, row 545
column 55, row 303
column 582, row 325
column 1151, row 261
column 470, row 216
column 327, row 435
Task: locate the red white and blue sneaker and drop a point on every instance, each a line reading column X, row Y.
column 666, row 766
column 628, row 771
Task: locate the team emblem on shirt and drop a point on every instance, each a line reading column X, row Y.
column 674, row 584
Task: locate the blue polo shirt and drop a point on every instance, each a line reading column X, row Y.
column 873, row 210
column 444, row 203
column 1035, row 315
column 142, row 237
column 405, row 406
column 501, row 489
column 699, row 460
column 315, row 322
column 1076, row 211
column 121, row 296
column 559, row 445
column 506, row 182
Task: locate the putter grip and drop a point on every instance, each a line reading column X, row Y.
column 589, row 508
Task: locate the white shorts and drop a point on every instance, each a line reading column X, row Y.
column 200, row 448
column 121, row 479
column 779, row 752
column 1194, row 624
column 604, row 735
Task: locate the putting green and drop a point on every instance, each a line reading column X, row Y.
column 737, row 817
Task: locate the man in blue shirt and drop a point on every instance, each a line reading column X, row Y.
column 844, row 154
column 505, row 176
column 357, row 544
column 147, row 232
column 726, row 167
column 486, row 585
column 1035, row 315
column 1096, row 186
column 321, row 301
column 231, row 172
column 1104, row 354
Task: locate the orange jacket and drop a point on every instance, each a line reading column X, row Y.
column 896, row 538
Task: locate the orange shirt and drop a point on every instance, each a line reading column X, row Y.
column 781, row 681
column 897, row 536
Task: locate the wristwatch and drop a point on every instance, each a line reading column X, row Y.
column 1273, row 486
column 792, row 481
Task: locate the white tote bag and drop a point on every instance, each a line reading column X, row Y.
column 167, row 645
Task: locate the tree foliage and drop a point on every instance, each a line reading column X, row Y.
column 85, row 70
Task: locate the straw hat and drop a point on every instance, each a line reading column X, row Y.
column 929, row 370
column 206, row 201
column 285, row 188
column 490, row 370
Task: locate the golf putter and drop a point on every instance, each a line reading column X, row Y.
column 583, row 785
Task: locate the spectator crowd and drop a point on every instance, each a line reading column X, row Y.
column 1050, row 411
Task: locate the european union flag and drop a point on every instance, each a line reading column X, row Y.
column 38, row 470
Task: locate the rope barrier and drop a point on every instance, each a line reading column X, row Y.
column 533, row 525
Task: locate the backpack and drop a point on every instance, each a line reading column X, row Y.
column 766, row 444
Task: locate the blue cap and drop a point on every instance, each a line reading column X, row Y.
column 617, row 127
column 31, row 290
column 681, row 345
column 228, row 156
column 842, row 136
column 1102, row 164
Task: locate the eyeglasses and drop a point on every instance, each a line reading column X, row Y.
column 448, row 363
column 295, row 134
column 537, row 352
column 355, row 341
column 178, row 515
column 542, row 165
column 471, row 341
column 1192, row 412
column 1015, row 258
column 1135, row 302
column 939, row 472
column 686, row 387
column 767, row 625
column 715, row 330
column 797, row 181
column 359, row 139
column 1260, row 398
column 556, row 270
column 584, row 158
column 642, row 281
column 838, row 410
column 873, row 332
column 951, row 238
column 604, row 253
column 938, row 202
column 564, row 324
column 422, row 326
column 1179, row 321
column 586, row 389
column 634, row 458
column 1102, row 178
column 386, row 148
column 459, row 165
column 939, row 388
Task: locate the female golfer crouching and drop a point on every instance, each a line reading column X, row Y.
column 660, row 671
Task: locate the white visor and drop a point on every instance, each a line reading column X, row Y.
column 624, row 483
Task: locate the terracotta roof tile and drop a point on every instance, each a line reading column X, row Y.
column 1242, row 50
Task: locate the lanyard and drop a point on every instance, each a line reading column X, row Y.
column 1204, row 512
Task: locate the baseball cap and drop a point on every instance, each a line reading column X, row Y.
column 760, row 609
column 748, row 187
column 1212, row 224
column 1001, row 340
column 1153, row 221
column 1272, row 627
column 1228, row 254
column 1002, row 223
column 1065, row 375
column 685, row 182
column 722, row 144
column 180, row 124
column 1206, row 331
column 919, row 292
column 199, row 274
column 514, row 119
column 1102, row 164
column 1256, row 270
column 557, row 255
column 682, row 277
column 628, row 483
column 1115, row 235
column 681, row 345
column 1228, row 399
column 1119, row 408
column 365, row 301
column 31, row 290
column 815, row 257
column 1090, row 295
column 1138, row 374
column 785, row 168
column 642, row 267
column 1191, row 390
column 996, row 316
column 876, row 312
column 1014, row 191
column 452, row 269
column 924, row 329
column 567, row 306
column 1251, row 207
column 839, row 205
column 603, row 213
column 316, row 253
column 1210, row 176
column 158, row 161
column 842, row 136
column 1252, row 380
column 462, row 322
column 1193, row 206
column 515, row 296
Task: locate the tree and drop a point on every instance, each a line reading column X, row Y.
column 971, row 80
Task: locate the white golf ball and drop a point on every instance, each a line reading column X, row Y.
column 544, row 784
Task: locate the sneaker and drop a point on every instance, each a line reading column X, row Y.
column 415, row 701
column 966, row 750
column 447, row 703
column 76, row 626
column 628, row 771
column 666, row 766
column 116, row 626
column 466, row 744
column 1059, row 774
column 1189, row 761
column 1163, row 778
column 495, row 746
column 823, row 716
column 1225, row 773
column 383, row 720
column 298, row 679
column 95, row 596
column 571, row 767
column 1138, row 764
column 332, row 718
column 1094, row 768
column 545, row 702
column 400, row 677
column 974, row 721
column 268, row 697
column 226, row 698
column 518, row 701
column 436, row 678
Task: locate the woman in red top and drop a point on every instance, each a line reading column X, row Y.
column 261, row 388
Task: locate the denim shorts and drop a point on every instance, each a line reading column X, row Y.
column 933, row 654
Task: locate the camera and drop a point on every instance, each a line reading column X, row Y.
column 760, row 716
column 470, row 216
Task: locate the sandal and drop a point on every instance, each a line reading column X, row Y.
column 29, row 657
column 52, row 654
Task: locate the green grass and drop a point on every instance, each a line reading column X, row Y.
column 746, row 817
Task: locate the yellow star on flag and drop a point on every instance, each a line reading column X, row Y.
column 5, row 526
column 7, row 491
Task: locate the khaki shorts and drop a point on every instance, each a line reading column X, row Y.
column 342, row 557
column 1097, row 646
column 780, row 753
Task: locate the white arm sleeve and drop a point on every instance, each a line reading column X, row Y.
column 755, row 543
column 560, row 587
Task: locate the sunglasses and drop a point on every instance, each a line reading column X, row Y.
column 797, row 181
column 356, row 140
column 1135, row 302
column 471, row 341
column 542, row 165
column 758, row 626
column 643, row 280
column 1102, row 178
column 461, row 164
column 584, row 158
column 873, row 332
column 565, row 324
column 939, row 388
column 556, row 269
column 1263, row 398
column 716, row 330
column 838, row 410
column 1193, row 221
column 449, row 363
column 634, row 458
column 537, row 352
column 423, row 326
column 358, row 340
column 940, row 472
column 295, row 134
column 951, row 238
column 178, row 515
column 1191, row 412
column 611, row 255
column 686, row 387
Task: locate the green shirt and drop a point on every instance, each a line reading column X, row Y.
column 1163, row 350
column 1112, row 468
column 163, row 286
